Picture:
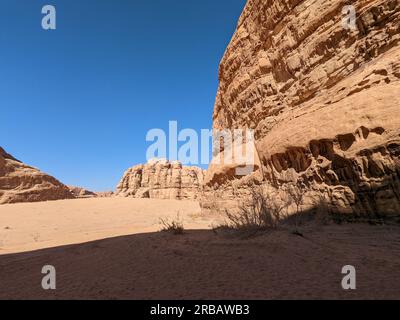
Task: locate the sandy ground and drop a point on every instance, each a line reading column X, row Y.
column 32, row 226
column 200, row 264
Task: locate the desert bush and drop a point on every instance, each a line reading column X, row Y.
column 174, row 226
column 296, row 195
column 323, row 210
column 257, row 213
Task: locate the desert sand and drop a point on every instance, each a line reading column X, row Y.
column 135, row 261
column 33, row 226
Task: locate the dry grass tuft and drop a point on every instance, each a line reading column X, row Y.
column 174, row 226
column 258, row 213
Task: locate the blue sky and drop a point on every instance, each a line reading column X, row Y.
column 77, row 102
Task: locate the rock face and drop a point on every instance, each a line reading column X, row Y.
column 323, row 100
column 79, row 192
column 105, row 194
column 22, row 183
column 162, row 180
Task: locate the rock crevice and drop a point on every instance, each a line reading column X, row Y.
column 323, row 100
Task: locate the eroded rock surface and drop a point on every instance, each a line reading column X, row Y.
column 22, row 183
column 79, row 192
column 324, row 101
column 162, row 180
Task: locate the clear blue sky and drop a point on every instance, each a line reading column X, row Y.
column 77, row 102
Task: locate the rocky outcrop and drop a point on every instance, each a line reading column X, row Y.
column 83, row 193
column 105, row 194
column 22, row 183
column 79, row 192
column 161, row 180
column 322, row 99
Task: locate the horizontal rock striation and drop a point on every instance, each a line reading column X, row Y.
column 322, row 99
column 22, row 183
column 162, row 180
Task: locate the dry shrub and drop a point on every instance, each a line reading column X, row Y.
column 258, row 213
column 323, row 211
column 297, row 197
column 174, row 226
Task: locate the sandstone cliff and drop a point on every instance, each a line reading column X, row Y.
column 161, row 180
column 104, row 194
column 324, row 101
column 22, row 183
column 79, row 192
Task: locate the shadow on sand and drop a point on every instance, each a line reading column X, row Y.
column 207, row 265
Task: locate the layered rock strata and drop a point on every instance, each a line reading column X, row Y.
column 322, row 99
column 22, row 183
column 162, row 180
